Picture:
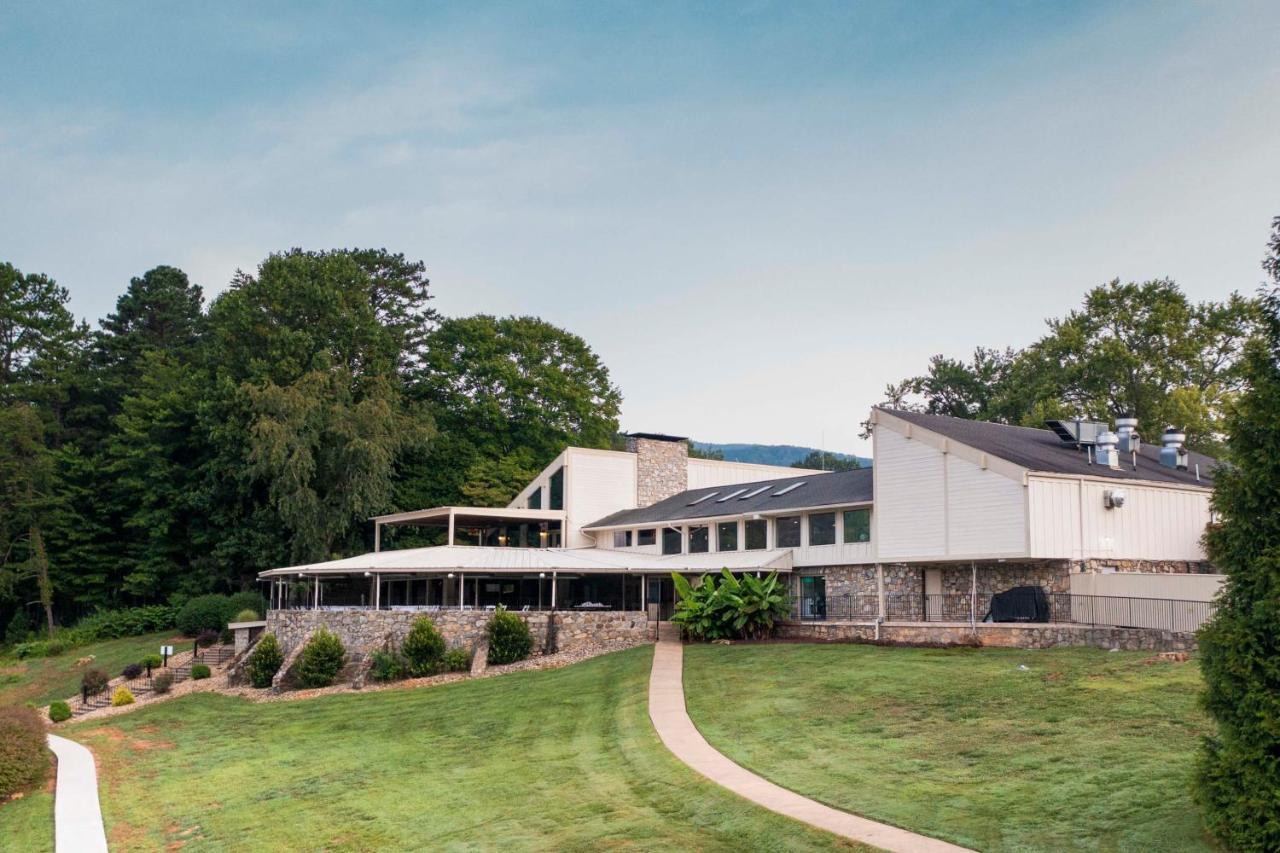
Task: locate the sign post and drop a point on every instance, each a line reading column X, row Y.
column 165, row 651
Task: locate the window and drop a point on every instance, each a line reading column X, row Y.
column 727, row 531
column 790, row 488
column 705, row 497
column 857, row 525
column 699, row 540
column 647, row 537
column 557, row 489
column 672, row 540
column 822, row 529
column 787, row 532
column 622, row 538
column 754, row 492
column 757, row 534
column 730, row 495
column 535, row 498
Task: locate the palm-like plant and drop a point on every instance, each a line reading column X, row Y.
column 747, row 607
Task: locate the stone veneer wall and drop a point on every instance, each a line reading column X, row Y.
column 844, row 580
column 366, row 630
column 1041, row 636
column 1155, row 567
column 662, row 468
column 997, row 577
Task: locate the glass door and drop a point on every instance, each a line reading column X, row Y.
column 813, row 597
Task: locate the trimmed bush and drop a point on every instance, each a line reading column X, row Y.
column 248, row 615
column 126, row 622
column 153, row 661
column 457, row 660
column 200, row 671
column 509, row 637
column 205, row 613
column 162, row 683
column 207, row 638
column 122, row 696
column 423, row 648
column 387, row 666
column 242, row 601
column 132, row 671
column 55, row 647
column 59, row 711
column 24, row 761
column 264, row 660
column 94, row 680
column 321, row 659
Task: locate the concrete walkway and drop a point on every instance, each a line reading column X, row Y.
column 667, row 710
column 77, row 818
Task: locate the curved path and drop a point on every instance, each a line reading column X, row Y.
column 667, row 711
column 77, row 818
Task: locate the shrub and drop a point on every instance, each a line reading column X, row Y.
column 200, row 671
column 747, row 607
column 207, row 638
column 94, row 680
column 153, row 661
column 509, row 637
column 387, row 666
column 24, row 760
column 126, row 622
column 247, row 615
column 18, row 629
column 59, row 711
column 321, row 659
column 264, row 660
column 53, row 648
column 162, row 683
column 205, row 613
column 122, row 696
column 242, row 601
column 423, row 648
column 457, row 660
column 132, row 671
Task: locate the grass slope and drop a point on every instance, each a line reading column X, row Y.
column 558, row 760
column 1084, row 750
column 26, row 825
column 41, row 680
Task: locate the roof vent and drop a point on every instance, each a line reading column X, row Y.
column 1078, row 432
column 1106, row 453
column 1127, row 429
column 1173, row 454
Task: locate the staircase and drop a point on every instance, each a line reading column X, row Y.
column 212, row 656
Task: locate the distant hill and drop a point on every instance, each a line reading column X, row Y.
column 770, row 454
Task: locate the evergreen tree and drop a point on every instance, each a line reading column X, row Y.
column 1239, row 772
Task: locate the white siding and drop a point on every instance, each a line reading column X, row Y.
column 1147, row 585
column 1069, row 519
column 986, row 512
column 910, row 499
column 710, row 472
column 596, row 484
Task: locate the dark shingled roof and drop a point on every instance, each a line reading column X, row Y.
column 1042, row 450
column 818, row 489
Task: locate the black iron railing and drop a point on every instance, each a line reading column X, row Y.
column 1163, row 614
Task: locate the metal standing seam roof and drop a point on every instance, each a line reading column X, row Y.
column 815, row 489
column 466, row 558
column 1042, row 450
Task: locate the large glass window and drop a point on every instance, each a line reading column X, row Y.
column 672, row 540
column 647, row 537
column 727, row 534
column 535, row 498
column 557, row 489
column 622, row 538
column 699, row 540
column 857, row 525
column 822, row 528
column 787, row 532
column 757, row 531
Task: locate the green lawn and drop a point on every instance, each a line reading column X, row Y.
column 26, row 825
column 41, row 680
column 558, row 760
column 1083, row 750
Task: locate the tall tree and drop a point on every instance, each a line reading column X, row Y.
column 822, row 460
column 1239, row 772
column 39, row 339
column 26, row 478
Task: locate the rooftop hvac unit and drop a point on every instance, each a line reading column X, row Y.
column 1079, row 432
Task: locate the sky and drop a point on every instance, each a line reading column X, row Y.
column 757, row 214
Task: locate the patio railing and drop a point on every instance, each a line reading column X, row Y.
column 1102, row 610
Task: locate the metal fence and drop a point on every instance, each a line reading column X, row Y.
column 1103, row 610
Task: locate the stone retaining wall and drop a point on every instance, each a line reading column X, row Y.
column 1040, row 636
column 366, row 630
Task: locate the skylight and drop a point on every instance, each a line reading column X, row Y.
column 790, row 488
column 705, row 497
column 754, row 492
column 730, row 495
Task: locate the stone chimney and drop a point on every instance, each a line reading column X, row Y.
column 662, row 466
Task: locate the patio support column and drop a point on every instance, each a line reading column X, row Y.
column 553, row 590
column 973, row 596
column 377, row 536
column 315, row 594
column 377, row 591
column 462, row 576
column 450, row 540
column 880, row 591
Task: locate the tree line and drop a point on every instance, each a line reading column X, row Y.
column 180, row 448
